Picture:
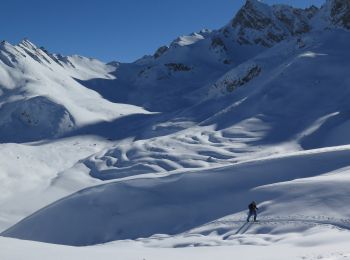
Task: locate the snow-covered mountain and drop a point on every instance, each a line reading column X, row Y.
column 179, row 142
column 42, row 98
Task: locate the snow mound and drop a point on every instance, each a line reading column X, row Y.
column 34, row 119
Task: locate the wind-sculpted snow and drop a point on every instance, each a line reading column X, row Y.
column 257, row 109
column 269, row 94
column 195, row 147
column 177, row 203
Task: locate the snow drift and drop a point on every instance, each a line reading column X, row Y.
column 174, row 204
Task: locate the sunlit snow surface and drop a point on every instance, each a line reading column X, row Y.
column 160, row 158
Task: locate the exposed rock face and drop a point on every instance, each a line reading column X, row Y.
column 177, row 67
column 161, row 50
column 250, row 74
column 311, row 11
column 238, row 77
column 340, row 12
column 218, row 47
column 253, row 15
column 296, row 21
column 258, row 23
column 217, row 42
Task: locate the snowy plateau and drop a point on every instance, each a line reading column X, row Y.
column 159, row 158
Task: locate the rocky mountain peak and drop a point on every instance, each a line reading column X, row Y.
column 259, row 23
column 339, row 11
column 28, row 44
column 254, row 14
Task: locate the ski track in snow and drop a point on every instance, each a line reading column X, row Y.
column 223, row 232
column 342, row 224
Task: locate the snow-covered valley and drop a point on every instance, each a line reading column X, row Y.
column 161, row 157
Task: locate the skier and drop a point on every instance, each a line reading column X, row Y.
column 252, row 210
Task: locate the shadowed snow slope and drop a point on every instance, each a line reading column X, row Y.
column 296, row 98
column 40, row 117
column 40, row 98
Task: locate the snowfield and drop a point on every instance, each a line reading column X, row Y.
column 159, row 158
column 316, row 243
column 145, row 206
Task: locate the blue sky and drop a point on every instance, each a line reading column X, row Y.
column 122, row 30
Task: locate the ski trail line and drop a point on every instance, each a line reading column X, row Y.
column 340, row 224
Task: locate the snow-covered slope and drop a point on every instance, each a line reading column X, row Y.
column 318, row 242
column 28, row 171
column 175, row 204
column 294, row 96
column 257, row 109
column 40, row 97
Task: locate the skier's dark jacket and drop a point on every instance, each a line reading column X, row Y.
column 252, row 207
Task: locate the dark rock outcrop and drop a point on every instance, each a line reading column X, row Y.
column 340, row 12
